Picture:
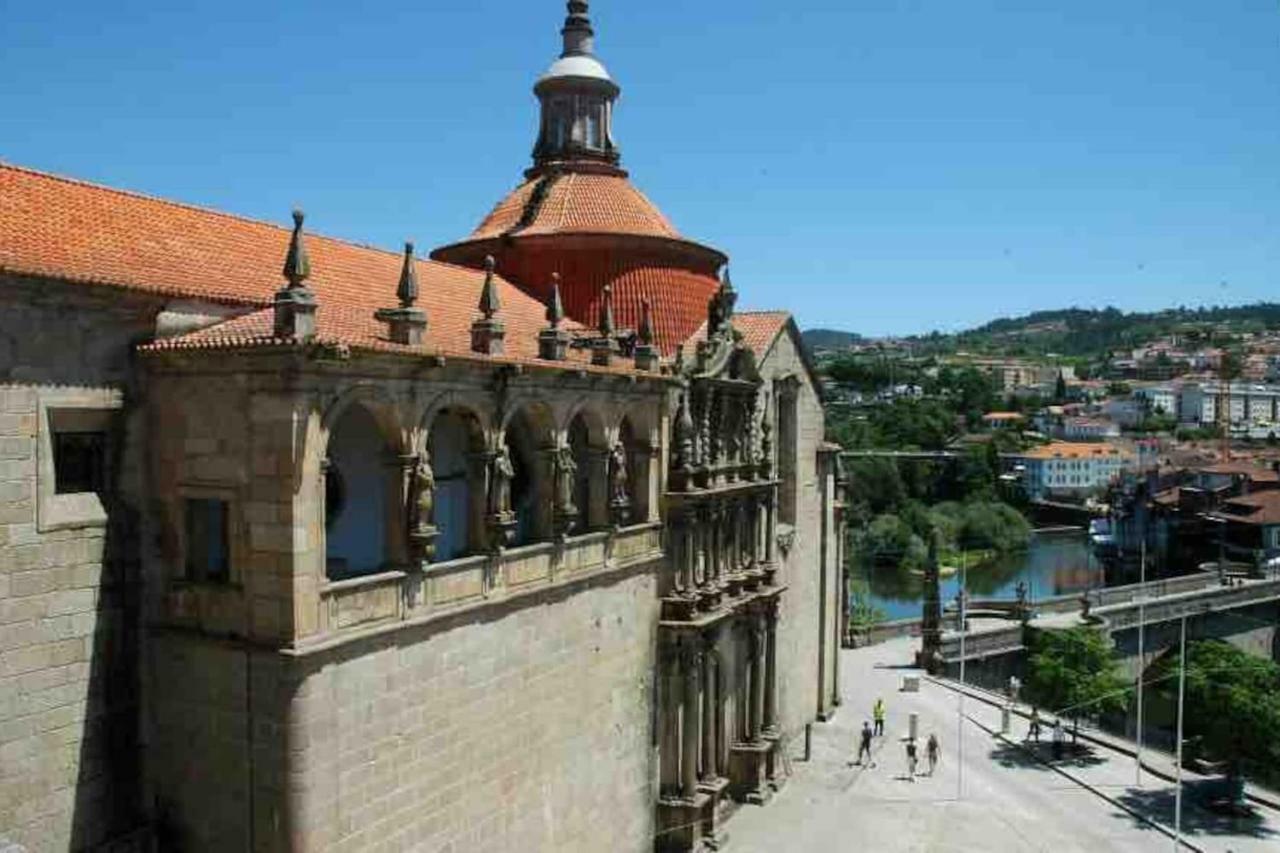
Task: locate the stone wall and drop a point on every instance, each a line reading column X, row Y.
column 69, row 690
column 527, row 730
column 803, row 626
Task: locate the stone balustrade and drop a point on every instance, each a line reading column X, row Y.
column 438, row 589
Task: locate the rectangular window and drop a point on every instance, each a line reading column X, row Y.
column 208, row 551
column 79, row 462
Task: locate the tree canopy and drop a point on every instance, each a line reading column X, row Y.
column 1074, row 673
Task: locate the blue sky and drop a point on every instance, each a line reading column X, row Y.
column 883, row 166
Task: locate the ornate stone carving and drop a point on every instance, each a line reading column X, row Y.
column 501, row 472
column 619, row 484
column 566, row 471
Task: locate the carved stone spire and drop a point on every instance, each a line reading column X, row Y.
column 488, row 332
column 720, row 308
column 602, row 347
column 406, row 324
column 297, row 264
column 407, row 291
column 489, row 302
column 295, row 304
column 646, row 353
column 606, row 312
column 555, row 307
column 553, row 342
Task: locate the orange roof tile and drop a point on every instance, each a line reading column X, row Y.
column 56, row 227
column 759, row 329
column 1073, row 450
column 576, row 202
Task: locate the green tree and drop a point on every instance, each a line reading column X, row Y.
column 876, row 483
column 1232, row 704
column 1073, row 673
column 1060, row 389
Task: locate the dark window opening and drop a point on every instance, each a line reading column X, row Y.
column 79, row 462
column 208, row 554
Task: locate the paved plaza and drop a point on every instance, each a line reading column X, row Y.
column 1009, row 799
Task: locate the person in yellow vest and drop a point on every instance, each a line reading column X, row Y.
column 877, row 713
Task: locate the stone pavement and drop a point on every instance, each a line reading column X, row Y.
column 1007, row 799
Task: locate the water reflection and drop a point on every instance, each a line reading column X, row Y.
column 1053, row 564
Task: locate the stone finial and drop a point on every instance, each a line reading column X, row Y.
column 295, row 304
column 407, row 291
column 602, row 348
column 578, row 36
column 489, row 302
column 646, row 353
column 720, row 306
column 555, row 307
column 297, row 264
column 606, row 312
column 488, row 332
column 406, row 324
column 553, row 342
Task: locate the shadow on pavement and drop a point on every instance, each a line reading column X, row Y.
column 1158, row 805
column 1040, row 755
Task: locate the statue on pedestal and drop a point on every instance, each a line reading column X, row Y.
column 566, row 472
column 502, row 472
column 424, row 493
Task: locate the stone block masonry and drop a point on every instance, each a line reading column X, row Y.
column 523, row 730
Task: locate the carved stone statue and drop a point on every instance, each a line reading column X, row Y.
column 566, row 473
column 424, row 492
column 684, row 436
column 619, row 479
column 766, row 443
column 502, row 473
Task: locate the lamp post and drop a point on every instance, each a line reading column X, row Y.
column 1142, row 662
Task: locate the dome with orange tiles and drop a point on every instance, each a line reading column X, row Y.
column 578, row 215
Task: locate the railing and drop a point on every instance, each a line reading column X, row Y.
column 413, row 595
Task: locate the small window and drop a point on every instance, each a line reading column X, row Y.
column 79, row 462
column 208, row 554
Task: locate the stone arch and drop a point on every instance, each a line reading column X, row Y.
column 587, row 437
column 363, row 527
column 377, row 402
column 454, row 438
column 529, row 431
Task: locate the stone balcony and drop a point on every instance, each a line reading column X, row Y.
column 361, row 606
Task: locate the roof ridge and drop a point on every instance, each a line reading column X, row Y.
column 183, row 205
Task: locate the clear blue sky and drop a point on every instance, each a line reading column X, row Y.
column 883, row 166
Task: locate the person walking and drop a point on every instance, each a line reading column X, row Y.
column 1033, row 731
column 877, row 713
column 865, row 747
column 911, row 759
column 931, row 752
column 1057, row 740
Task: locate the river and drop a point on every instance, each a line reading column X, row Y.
column 1053, row 564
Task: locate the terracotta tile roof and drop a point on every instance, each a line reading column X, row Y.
column 56, row 227
column 1073, row 450
column 1256, row 473
column 1262, row 508
column 759, row 329
column 574, row 202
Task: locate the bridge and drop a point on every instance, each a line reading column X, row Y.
column 1245, row 613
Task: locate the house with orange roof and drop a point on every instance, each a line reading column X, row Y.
column 300, row 536
column 1071, row 469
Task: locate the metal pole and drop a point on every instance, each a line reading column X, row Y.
column 964, row 626
column 1182, row 684
column 1142, row 661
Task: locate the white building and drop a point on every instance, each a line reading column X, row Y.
column 1247, row 404
column 1069, row 468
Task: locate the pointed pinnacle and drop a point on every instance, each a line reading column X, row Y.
column 645, row 332
column 606, row 313
column 726, row 284
column 555, row 307
column 489, row 303
column 297, row 266
column 407, row 292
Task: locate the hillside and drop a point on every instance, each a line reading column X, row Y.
column 830, row 339
column 1087, row 332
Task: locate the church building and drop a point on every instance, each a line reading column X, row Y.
column 533, row 543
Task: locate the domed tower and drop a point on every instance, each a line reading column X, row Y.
column 577, row 213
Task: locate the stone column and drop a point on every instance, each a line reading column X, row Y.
column 692, row 660
column 771, row 668
column 770, row 532
column 756, row 716
column 709, row 769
